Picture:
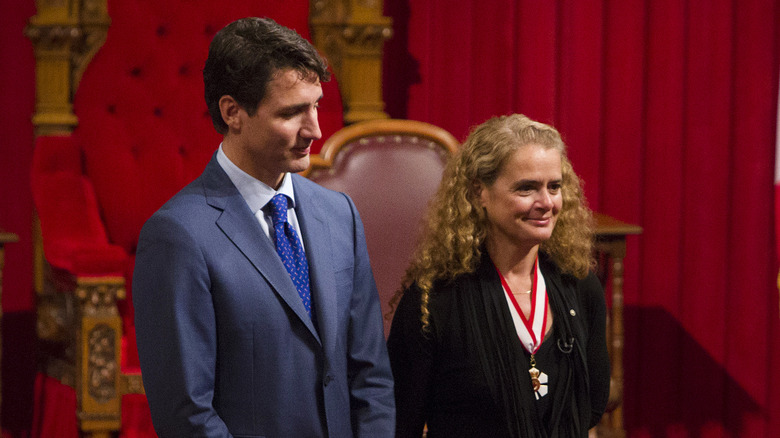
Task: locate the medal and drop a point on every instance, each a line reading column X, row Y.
column 538, row 380
column 531, row 330
column 534, row 374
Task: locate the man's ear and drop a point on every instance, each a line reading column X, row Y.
column 230, row 109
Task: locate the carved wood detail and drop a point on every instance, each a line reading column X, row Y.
column 351, row 34
column 65, row 34
column 101, row 366
column 98, row 337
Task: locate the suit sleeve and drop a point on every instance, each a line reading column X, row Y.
column 598, row 356
column 372, row 404
column 176, row 331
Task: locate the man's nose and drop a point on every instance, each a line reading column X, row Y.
column 311, row 126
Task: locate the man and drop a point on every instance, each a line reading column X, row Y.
column 255, row 306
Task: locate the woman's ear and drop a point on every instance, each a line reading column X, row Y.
column 230, row 110
column 476, row 192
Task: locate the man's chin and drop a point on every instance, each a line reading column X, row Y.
column 299, row 164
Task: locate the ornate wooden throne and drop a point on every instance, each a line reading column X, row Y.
column 120, row 126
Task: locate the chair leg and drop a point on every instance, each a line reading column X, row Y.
column 99, row 335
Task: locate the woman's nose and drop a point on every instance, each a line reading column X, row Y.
column 545, row 198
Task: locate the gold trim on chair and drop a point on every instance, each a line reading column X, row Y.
column 375, row 128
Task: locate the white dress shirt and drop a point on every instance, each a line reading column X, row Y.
column 258, row 194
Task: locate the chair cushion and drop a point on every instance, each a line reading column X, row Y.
column 391, row 180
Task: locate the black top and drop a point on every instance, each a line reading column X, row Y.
column 467, row 376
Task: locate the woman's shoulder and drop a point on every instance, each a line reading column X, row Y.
column 550, row 268
column 447, row 290
column 441, row 290
column 590, row 294
column 591, row 284
column 444, row 294
column 586, row 290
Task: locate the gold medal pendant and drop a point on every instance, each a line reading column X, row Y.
column 535, row 378
column 534, row 374
column 538, row 380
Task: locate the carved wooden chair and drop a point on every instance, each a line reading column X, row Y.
column 120, row 127
column 391, row 169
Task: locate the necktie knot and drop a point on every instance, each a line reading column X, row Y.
column 279, row 209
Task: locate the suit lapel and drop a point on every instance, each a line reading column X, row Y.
column 241, row 227
column 316, row 238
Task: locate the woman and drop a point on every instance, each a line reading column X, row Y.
column 500, row 327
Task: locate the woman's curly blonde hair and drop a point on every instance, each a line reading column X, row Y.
column 456, row 226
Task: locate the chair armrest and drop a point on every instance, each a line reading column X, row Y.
column 74, row 236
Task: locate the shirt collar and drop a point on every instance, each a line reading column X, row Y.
column 255, row 192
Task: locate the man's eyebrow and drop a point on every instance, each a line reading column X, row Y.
column 299, row 106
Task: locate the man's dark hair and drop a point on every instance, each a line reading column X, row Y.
column 244, row 57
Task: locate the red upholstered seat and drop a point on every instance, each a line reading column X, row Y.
column 143, row 133
column 391, row 169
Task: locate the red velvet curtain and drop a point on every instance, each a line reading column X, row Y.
column 669, row 110
column 17, row 99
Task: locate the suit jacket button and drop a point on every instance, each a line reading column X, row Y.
column 327, row 380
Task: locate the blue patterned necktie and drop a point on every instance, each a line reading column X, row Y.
column 290, row 249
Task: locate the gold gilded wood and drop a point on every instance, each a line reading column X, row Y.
column 131, row 384
column 98, row 341
column 80, row 331
column 65, row 34
column 351, row 34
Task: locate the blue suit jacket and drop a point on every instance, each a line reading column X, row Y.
column 225, row 344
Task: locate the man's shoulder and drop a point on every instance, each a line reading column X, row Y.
column 308, row 188
column 191, row 196
column 303, row 183
column 188, row 206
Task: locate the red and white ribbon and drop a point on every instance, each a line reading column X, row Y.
column 530, row 330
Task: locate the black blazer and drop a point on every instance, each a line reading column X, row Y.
column 467, row 376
